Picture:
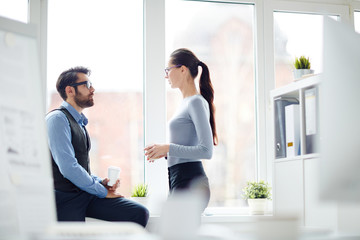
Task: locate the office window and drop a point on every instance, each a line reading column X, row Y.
column 107, row 37
column 14, row 9
column 226, row 44
column 295, row 35
column 357, row 21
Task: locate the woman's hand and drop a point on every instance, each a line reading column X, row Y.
column 156, row 151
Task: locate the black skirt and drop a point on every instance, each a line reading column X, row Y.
column 189, row 175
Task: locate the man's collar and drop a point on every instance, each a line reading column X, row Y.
column 80, row 118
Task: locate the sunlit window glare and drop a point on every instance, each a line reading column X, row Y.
column 107, row 37
column 14, row 9
column 357, row 21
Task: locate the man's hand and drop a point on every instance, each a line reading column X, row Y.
column 112, row 189
column 105, row 182
column 113, row 194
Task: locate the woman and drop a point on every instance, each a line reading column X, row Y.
column 192, row 128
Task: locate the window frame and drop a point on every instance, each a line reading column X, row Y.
column 155, row 89
column 155, row 130
column 155, row 93
column 38, row 12
column 155, row 125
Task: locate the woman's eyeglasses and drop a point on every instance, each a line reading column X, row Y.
column 167, row 70
column 88, row 84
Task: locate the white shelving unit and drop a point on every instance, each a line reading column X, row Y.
column 295, row 179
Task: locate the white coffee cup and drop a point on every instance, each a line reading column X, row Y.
column 113, row 175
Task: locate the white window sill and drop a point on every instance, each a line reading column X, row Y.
column 232, row 218
column 224, row 215
column 243, row 211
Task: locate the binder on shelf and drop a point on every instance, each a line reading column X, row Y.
column 280, row 131
column 311, row 131
column 292, row 126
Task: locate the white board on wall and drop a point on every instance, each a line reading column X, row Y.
column 26, row 191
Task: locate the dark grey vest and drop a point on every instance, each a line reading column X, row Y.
column 81, row 144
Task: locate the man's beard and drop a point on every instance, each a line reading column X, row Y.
column 83, row 103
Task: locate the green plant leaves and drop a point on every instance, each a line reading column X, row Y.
column 140, row 190
column 257, row 190
column 302, row 63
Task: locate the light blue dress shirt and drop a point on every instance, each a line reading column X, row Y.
column 59, row 139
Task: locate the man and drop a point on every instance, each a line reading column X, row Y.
column 78, row 193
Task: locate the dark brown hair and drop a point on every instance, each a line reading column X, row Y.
column 187, row 58
column 69, row 77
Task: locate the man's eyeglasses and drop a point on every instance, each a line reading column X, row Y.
column 167, row 70
column 88, row 84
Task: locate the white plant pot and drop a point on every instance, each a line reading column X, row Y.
column 299, row 73
column 142, row 200
column 257, row 206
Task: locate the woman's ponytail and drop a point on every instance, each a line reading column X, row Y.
column 207, row 91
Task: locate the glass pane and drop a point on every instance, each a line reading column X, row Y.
column 14, row 9
column 107, row 37
column 357, row 21
column 296, row 35
column 226, row 44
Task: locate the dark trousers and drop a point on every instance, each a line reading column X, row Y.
column 189, row 175
column 75, row 206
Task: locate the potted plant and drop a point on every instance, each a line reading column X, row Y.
column 302, row 67
column 140, row 193
column 257, row 194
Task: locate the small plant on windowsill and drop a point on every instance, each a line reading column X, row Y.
column 257, row 194
column 140, row 190
column 140, row 193
column 302, row 67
